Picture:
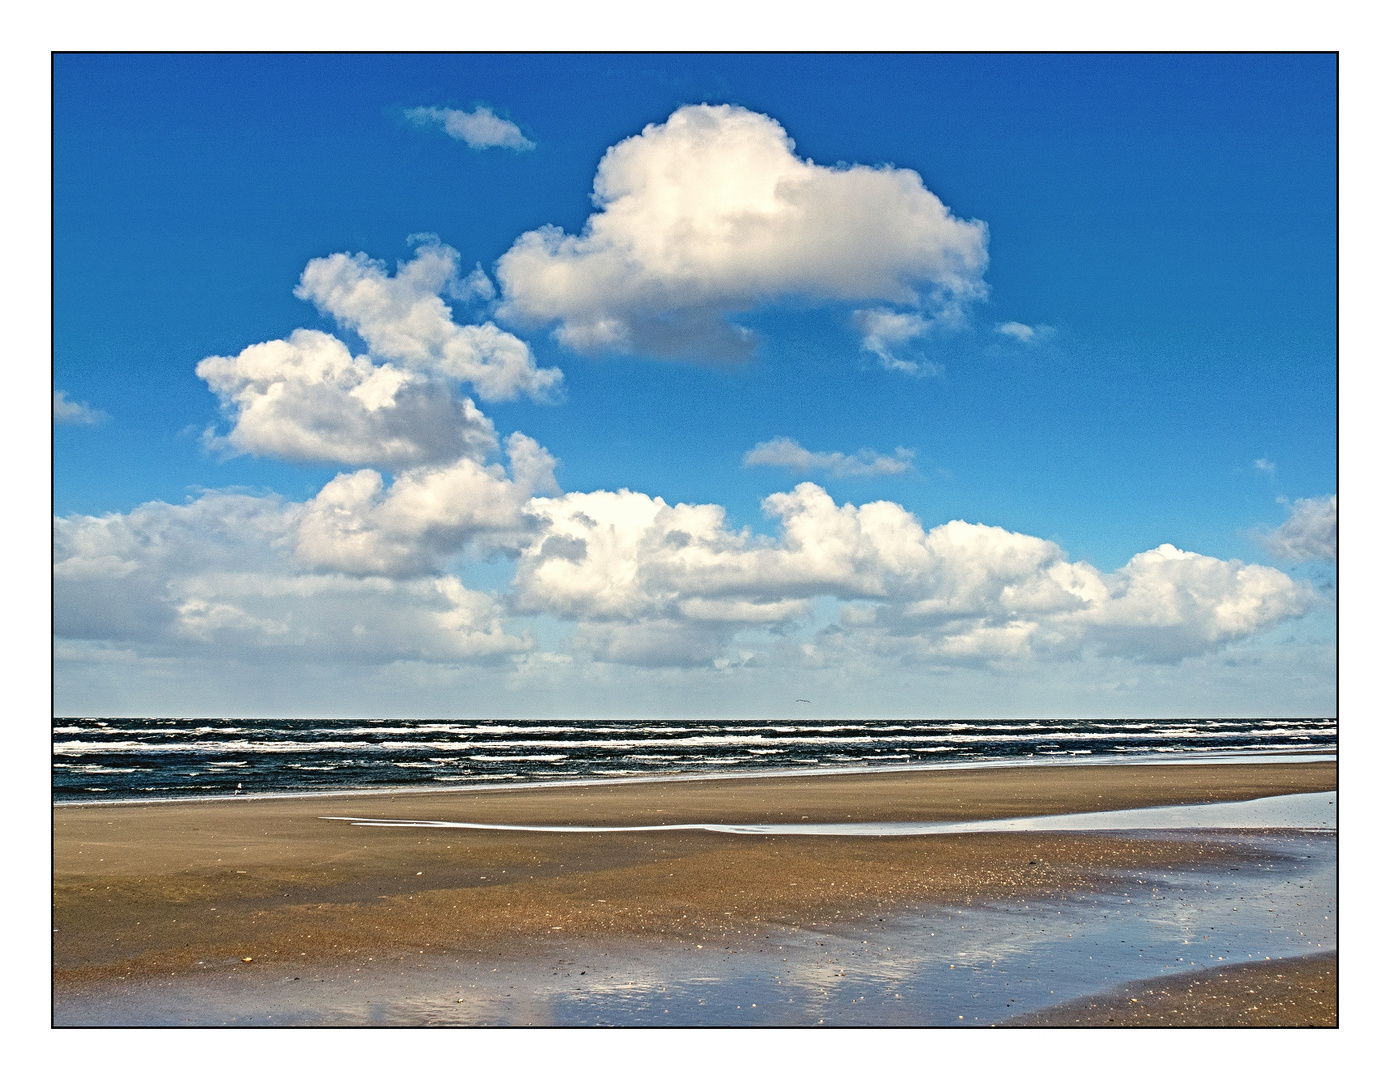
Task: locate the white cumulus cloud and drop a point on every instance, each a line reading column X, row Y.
column 790, row 454
column 632, row 569
column 403, row 318
column 482, row 128
column 1022, row 332
column 1309, row 534
column 74, row 412
column 308, row 399
column 222, row 573
column 358, row 524
column 712, row 213
column 886, row 331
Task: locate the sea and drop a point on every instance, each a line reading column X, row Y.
column 128, row 758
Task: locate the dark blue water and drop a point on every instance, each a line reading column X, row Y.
column 125, row 757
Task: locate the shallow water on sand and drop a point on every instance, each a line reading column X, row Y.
column 938, row 966
column 1307, row 810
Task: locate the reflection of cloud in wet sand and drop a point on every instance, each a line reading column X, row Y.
column 938, row 965
column 693, row 927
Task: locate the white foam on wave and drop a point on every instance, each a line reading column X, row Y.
column 460, row 783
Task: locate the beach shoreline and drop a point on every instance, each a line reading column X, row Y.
column 176, row 889
column 1155, row 759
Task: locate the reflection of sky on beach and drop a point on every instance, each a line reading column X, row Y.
column 983, row 963
column 967, row 964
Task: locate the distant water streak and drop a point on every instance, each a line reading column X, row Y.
column 1311, row 810
column 123, row 757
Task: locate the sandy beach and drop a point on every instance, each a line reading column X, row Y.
column 175, row 890
column 1295, row 992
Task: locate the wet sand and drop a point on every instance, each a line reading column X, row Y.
column 1297, row 992
column 178, row 889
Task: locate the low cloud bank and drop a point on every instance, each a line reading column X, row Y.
column 363, row 567
column 628, row 567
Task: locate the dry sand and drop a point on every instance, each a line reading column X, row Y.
column 157, row 889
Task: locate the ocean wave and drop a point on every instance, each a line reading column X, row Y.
column 137, row 757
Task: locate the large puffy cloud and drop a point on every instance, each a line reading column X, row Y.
column 1309, row 533
column 654, row 583
column 359, row 525
column 403, row 318
column 711, row 213
column 1167, row 603
column 628, row 556
column 308, row 398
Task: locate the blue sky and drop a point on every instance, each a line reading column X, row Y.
column 1136, row 347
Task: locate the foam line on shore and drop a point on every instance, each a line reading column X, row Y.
column 1313, row 810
